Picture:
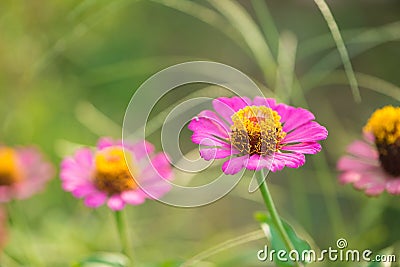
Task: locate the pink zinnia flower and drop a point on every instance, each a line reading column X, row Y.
column 373, row 164
column 256, row 134
column 103, row 175
column 23, row 172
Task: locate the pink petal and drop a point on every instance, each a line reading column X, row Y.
column 393, row 187
column 364, row 183
column 347, row 163
column 95, row 200
column 206, row 139
column 291, row 160
column 225, row 106
column 29, row 155
column 159, row 169
column 363, row 150
column 36, row 172
column 262, row 101
column 161, row 164
column 84, row 157
column 70, row 170
column 350, row 177
column 6, row 193
column 292, row 117
column 105, row 142
column 375, row 190
column 234, row 164
column 304, row 148
column 277, row 165
column 83, row 190
column 309, row 132
column 217, row 153
column 67, row 163
column 257, row 163
column 215, row 118
column 156, row 190
column 208, row 126
column 160, row 159
column 25, row 189
column 69, row 176
column 115, row 202
column 369, row 137
column 141, row 149
column 133, row 197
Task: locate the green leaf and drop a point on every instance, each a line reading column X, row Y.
column 276, row 241
column 104, row 259
column 237, row 15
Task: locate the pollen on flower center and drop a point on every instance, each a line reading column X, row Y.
column 384, row 124
column 256, row 130
column 111, row 173
column 9, row 171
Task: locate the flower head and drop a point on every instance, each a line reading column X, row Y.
column 373, row 164
column 113, row 172
column 23, row 172
column 256, row 134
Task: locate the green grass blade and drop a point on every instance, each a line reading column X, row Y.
column 286, row 65
column 267, row 23
column 330, row 20
column 360, row 38
column 242, row 21
column 362, row 42
column 366, row 81
column 206, row 15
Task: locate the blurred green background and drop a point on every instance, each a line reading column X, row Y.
column 69, row 68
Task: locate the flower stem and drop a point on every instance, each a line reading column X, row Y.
column 123, row 235
column 274, row 214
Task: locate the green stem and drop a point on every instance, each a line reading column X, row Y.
column 123, row 235
column 274, row 214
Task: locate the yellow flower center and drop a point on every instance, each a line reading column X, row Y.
column 9, row 169
column 112, row 174
column 384, row 124
column 256, row 130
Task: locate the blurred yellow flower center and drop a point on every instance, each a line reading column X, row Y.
column 384, row 124
column 256, row 130
column 9, row 171
column 112, row 174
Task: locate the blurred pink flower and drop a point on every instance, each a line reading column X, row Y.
column 103, row 176
column 23, row 172
column 256, row 134
column 373, row 164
